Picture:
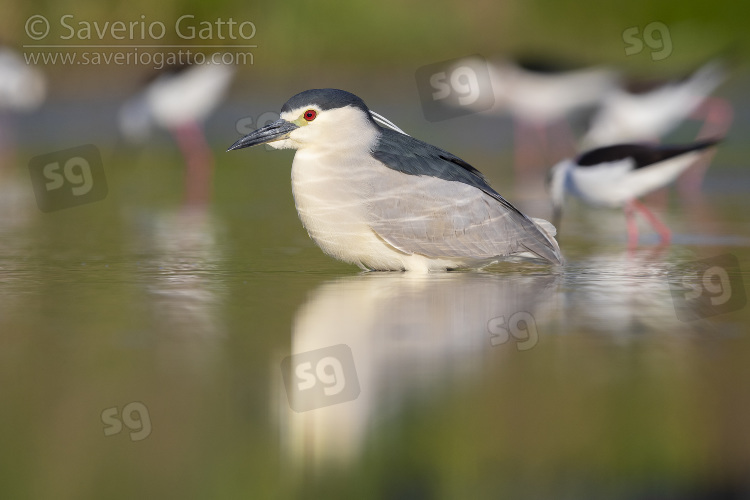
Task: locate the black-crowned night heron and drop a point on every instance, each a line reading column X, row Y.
column 615, row 176
column 370, row 195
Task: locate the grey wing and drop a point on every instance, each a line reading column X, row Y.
column 426, row 215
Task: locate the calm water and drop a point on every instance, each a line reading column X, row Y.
column 145, row 345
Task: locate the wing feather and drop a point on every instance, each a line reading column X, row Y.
column 415, row 210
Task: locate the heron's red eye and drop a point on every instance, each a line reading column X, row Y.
column 310, row 115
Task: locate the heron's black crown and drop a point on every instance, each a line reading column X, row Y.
column 325, row 99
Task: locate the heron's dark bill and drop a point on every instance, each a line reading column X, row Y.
column 280, row 129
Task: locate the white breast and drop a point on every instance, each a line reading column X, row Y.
column 330, row 190
column 330, row 193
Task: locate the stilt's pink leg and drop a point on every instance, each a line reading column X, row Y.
column 530, row 150
column 520, row 153
column 716, row 115
column 632, row 226
column 526, row 149
column 198, row 163
column 541, row 147
column 543, row 144
column 7, row 143
column 562, row 142
column 664, row 233
column 658, row 198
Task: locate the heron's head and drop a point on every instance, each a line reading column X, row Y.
column 317, row 118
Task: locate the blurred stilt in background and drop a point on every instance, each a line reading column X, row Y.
column 198, row 162
column 716, row 115
column 617, row 175
column 183, row 240
column 647, row 111
column 541, row 96
column 23, row 88
column 179, row 100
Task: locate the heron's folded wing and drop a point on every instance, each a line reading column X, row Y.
column 437, row 218
column 431, row 202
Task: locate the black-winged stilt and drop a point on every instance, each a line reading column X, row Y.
column 23, row 88
column 647, row 111
column 180, row 99
column 541, row 95
column 616, row 176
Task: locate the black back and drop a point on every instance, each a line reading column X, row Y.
column 643, row 154
column 545, row 64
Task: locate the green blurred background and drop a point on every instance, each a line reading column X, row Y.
column 301, row 42
column 129, row 299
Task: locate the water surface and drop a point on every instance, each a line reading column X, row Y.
column 519, row 380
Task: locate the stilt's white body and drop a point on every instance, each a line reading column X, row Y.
column 172, row 101
column 627, row 117
column 543, row 98
column 614, row 184
column 22, row 87
column 619, row 182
